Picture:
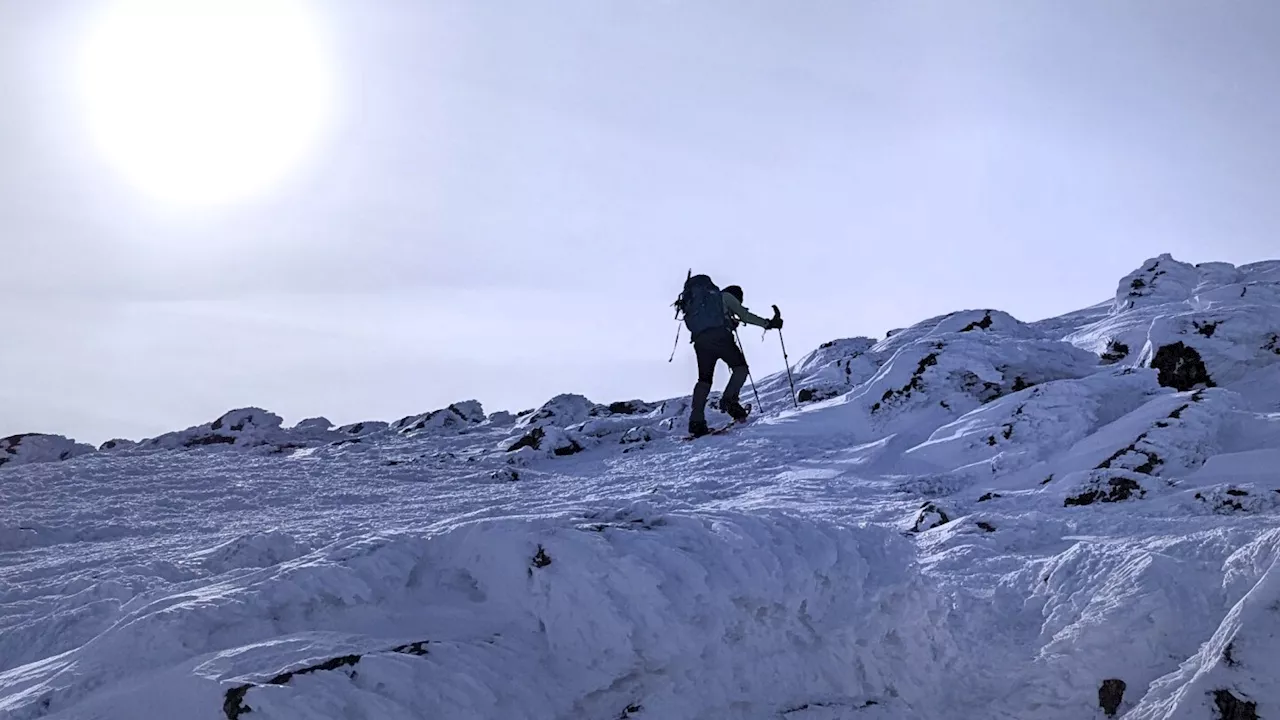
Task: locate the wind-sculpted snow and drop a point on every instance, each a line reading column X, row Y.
column 582, row 614
column 36, row 447
column 975, row 516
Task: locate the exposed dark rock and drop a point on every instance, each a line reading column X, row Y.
column 807, row 706
column 815, row 394
column 1225, row 505
column 532, row 439
column 541, row 559
column 930, row 516
column 1110, row 695
column 986, row 526
column 636, row 435
column 571, row 449
column 1273, row 345
column 1138, row 285
column 630, row 710
column 214, row 439
column 988, row 496
column 417, row 648
column 505, row 475
column 1237, row 492
column 1227, row 655
column 1181, row 367
column 1231, row 707
column 916, row 382
column 982, row 324
column 330, row 664
column 1047, row 480
column 10, row 444
column 233, row 704
column 625, row 408
column 355, row 429
column 1205, row 329
column 1120, row 488
column 1019, row 384
column 1153, row 461
column 1116, row 351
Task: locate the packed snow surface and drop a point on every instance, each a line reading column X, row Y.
column 974, row 517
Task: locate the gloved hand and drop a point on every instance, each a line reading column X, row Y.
column 774, row 324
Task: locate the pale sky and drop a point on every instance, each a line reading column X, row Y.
column 367, row 210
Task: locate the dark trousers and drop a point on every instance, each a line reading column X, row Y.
column 711, row 346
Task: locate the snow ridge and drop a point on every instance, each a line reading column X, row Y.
column 974, row 516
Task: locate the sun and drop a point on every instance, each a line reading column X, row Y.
column 205, row 102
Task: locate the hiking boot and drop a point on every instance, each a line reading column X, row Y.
column 736, row 411
column 698, row 428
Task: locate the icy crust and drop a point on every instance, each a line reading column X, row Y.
column 1162, row 597
column 27, row 448
column 1233, row 674
column 683, row 615
column 1032, row 426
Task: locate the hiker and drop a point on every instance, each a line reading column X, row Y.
column 712, row 315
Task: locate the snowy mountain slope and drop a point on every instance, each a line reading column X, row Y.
column 973, row 517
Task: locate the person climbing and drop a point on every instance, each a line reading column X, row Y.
column 712, row 315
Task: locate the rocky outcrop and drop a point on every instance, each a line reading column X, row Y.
column 1181, row 367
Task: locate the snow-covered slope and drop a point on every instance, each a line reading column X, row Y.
column 973, row 517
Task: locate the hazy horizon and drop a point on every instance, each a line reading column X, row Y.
column 370, row 211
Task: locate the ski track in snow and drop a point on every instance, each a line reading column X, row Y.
column 973, row 517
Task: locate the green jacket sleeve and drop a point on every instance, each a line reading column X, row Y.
column 735, row 308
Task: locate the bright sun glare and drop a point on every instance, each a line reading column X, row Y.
column 205, row 102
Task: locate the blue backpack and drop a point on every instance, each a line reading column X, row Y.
column 702, row 305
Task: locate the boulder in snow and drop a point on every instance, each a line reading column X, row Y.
column 561, row 410
column 30, row 448
column 243, row 427
column 551, row 440
column 929, row 517
column 366, row 427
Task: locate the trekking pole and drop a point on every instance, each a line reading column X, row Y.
column 753, row 380
column 676, row 344
column 778, row 314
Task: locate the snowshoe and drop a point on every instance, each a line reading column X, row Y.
column 705, row 431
